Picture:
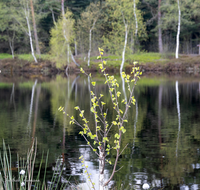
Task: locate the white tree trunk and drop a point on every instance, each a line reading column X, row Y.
column 101, row 169
column 135, row 15
column 12, row 48
column 11, row 43
column 90, row 41
column 26, row 11
column 178, row 31
column 123, row 87
column 179, row 117
column 75, row 46
column 160, row 44
column 135, row 122
column 72, row 57
column 53, row 17
column 124, row 50
column 68, row 51
column 64, row 33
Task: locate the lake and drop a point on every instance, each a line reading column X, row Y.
column 162, row 133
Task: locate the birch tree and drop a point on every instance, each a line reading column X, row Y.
column 178, row 30
column 179, row 18
column 136, row 19
column 134, row 40
column 35, row 28
column 9, row 29
column 101, row 137
column 160, row 45
column 124, row 18
column 22, row 16
column 61, row 36
column 65, row 28
column 87, row 23
column 28, row 32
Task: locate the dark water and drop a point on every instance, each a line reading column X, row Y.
column 163, row 132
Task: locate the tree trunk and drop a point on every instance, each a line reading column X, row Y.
column 31, row 42
column 68, row 52
column 101, row 168
column 90, row 41
column 160, row 44
column 11, row 48
column 11, row 43
column 64, row 34
column 132, row 42
column 35, row 29
column 178, row 31
column 53, row 17
column 26, row 12
column 29, row 32
column 123, row 87
column 75, row 46
column 62, row 7
column 124, row 50
column 136, row 22
column 135, row 122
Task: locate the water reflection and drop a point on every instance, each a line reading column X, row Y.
column 179, row 117
column 163, row 131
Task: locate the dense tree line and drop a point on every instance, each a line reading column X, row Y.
column 117, row 25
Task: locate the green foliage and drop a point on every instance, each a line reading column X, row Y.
column 89, row 23
column 61, row 36
column 109, row 29
column 119, row 14
column 115, row 61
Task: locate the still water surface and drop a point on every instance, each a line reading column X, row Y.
column 163, row 132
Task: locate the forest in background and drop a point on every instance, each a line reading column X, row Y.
column 143, row 25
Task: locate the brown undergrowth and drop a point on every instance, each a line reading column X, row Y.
column 186, row 63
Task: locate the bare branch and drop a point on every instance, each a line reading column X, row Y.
column 123, row 149
column 119, row 169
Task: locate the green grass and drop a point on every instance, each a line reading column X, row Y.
column 115, row 61
column 27, row 57
column 144, row 57
column 5, row 55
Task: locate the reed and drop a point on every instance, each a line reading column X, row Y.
column 25, row 172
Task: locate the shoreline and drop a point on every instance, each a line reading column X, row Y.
column 186, row 63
